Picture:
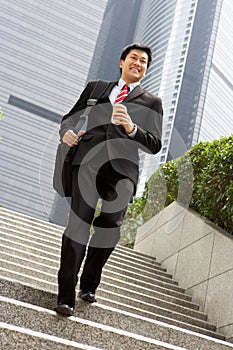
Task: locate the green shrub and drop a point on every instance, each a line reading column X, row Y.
column 202, row 179
column 133, row 219
column 213, row 186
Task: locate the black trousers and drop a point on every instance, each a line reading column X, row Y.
column 90, row 184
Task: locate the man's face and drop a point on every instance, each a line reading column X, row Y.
column 134, row 66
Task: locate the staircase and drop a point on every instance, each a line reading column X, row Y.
column 139, row 305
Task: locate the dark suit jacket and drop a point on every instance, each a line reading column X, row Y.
column 103, row 137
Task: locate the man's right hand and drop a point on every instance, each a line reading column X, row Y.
column 71, row 139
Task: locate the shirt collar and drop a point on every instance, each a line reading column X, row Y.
column 121, row 83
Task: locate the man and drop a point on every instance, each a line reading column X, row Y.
column 105, row 166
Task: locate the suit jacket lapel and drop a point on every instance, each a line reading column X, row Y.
column 108, row 89
column 134, row 94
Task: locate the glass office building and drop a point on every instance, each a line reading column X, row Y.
column 46, row 52
column 191, row 71
column 50, row 49
column 117, row 31
column 216, row 114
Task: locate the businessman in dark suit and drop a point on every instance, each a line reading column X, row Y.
column 105, row 166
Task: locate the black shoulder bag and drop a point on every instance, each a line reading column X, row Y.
column 62, row 176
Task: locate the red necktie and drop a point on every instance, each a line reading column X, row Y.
column 122, row 94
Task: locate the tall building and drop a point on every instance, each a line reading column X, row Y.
column 50, row 49
column 46, row 52
column 191, row 70
column 117, row 31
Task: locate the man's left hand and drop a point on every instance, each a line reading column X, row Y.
column 121, row 117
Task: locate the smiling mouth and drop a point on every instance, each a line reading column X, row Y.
column 135, row 70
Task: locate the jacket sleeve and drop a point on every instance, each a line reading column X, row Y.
column 149, row 134
column 70, row 119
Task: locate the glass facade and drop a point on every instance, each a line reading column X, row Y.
column 191, row 72
column 46, row 51
column 165, row 26
column 217, row 112
column 49, row 49
column 116, row 32
column 195, row 78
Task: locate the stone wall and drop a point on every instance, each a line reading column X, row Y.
column 199, row 255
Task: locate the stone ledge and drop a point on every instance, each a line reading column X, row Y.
column 196, row 252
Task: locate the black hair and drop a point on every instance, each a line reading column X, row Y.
column 136, row 46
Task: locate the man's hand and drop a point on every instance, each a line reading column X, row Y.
column 71, row 139
column 121, row 117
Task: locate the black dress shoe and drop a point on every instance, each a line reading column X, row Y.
column 64, row 310
column 88, row 296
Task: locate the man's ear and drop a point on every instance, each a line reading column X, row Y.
column 121, row 63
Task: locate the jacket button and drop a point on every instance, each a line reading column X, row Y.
column 109, row 133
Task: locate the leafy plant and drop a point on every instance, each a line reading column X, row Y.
column 133, row 219
column 213, row 196
column 202, row 179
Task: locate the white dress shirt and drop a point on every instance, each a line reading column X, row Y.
column 115, row 91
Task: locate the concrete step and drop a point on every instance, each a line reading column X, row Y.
column 8, row 251
column 7, row 215
column 150, row 271
column 45, row 280
column 75, row 329
column 158, row 306
column 9, row 242
column 38, row 230
column 56, row 230
column 108, row 319
column 153, row 284
column 120, row 302
column 122, row 280
column 13, row 337
column 112, row 284
column 139, row 264
column 7, row 247
column 28, row 244
column 179, row 320
column 47, row 298
column 21, row 253
column 34, row 240
column 144, row 294
column 135, row 290
column 53, row 245
column 47, row 273
column 140, row 279
column 134, row 272
column 137, row 259
column 30, row 241
column 42, row 233
column 146, row 302
column 109, row 283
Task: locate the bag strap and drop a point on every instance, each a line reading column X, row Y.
column 102, row 85
column 94, row 96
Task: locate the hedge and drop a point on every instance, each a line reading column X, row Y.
column 202, row 179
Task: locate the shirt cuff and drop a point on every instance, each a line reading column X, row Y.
column 133, row 133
